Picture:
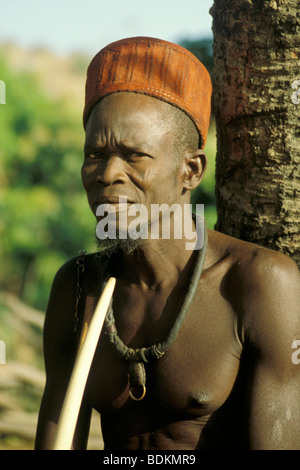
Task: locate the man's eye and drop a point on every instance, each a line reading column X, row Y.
column 136, row 156
column 93, row 155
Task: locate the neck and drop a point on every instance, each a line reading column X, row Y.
column 158, row 261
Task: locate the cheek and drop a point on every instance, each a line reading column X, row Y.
column 161, row 186
column 87, row 176
column 149, row 177
column 143, row 177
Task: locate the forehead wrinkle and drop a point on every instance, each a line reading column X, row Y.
column 140, row 130
column 160, row 111
column 106, row 140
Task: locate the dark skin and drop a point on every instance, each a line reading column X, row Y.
column 228, row 381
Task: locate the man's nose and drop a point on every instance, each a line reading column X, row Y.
column 112, row 171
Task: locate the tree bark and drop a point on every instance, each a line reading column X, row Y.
column 256, row 83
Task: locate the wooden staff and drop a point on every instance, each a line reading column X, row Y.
column 70, row 410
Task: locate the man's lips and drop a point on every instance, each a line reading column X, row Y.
column 113, row 204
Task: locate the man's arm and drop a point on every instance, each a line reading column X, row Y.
column 271, row 325
column 60, row 353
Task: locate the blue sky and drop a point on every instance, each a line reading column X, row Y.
column 65, row 26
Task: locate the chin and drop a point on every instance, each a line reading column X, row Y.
column 109, row 246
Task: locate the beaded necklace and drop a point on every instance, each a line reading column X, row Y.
column 138, row 357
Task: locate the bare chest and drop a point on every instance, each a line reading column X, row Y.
column 195, row 375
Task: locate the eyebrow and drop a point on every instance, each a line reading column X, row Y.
column 125, row 147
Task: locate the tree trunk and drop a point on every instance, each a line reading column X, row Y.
column 256, row 82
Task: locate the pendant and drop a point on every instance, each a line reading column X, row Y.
column 137, row 380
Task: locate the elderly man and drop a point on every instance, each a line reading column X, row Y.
column 196, row 351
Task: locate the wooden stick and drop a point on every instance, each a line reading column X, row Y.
column 70, row 410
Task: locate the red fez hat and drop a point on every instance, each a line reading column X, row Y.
column 152, row 67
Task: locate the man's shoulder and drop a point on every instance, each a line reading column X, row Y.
column 251, row 261
column 263, row 285
column 252, row 270
column 81, row 267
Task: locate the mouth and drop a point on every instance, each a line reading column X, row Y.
column 112, row 204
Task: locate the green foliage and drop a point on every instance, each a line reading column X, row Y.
column 202, row 49
column 44, row 219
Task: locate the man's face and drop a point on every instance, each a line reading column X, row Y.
column 129, row 153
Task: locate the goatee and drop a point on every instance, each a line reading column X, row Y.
column 110, row 246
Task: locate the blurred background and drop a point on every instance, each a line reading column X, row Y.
column 45, row 47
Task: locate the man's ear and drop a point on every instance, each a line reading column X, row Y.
column 194, row 168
